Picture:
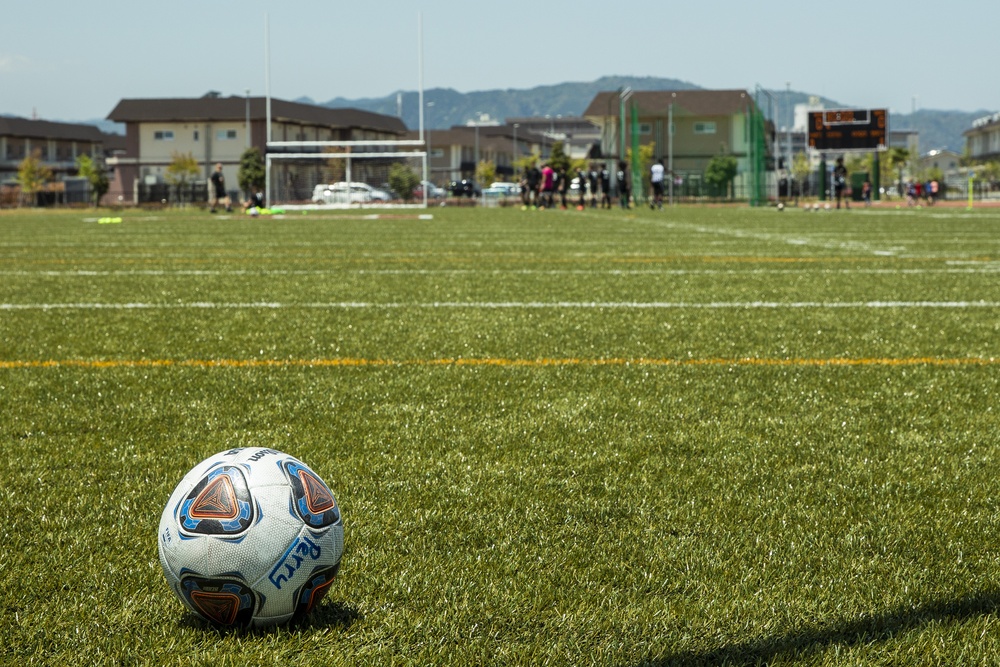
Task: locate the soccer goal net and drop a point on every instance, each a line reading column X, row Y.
column 346, row 174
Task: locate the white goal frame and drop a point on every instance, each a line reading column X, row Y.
column 321, row 152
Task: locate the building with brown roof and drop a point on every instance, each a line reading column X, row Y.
column 56, row 144
column 216, row 129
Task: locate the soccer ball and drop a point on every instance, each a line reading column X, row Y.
column 250, row 538
column 781, row 207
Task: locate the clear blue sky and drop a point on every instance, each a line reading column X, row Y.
column 74, row 60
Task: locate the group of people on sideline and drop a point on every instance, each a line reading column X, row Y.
column 915, row 191
column 596, row 186
column 545, row 187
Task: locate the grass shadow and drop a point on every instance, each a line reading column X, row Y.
column 330, row 615
column 864, row 630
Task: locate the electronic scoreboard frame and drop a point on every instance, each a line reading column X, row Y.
column 849, row 129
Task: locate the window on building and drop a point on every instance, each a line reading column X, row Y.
column 645, row 128
column 163, row 135
column 223, row 135
column 437, row 152
column 707, row 127
column 197, row 135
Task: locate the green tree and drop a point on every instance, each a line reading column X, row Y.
column 646, row 152
column 32, row 175
column 558, row 160
column 403, row 180
column 252, row 173
column 486, row 173
column 892, row 166
column 93, row 170
column 182, row 169
column 719, row 174
column 988, row 173
column 801, row 170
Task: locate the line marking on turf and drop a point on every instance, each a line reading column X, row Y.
column 349, row 362
column 954, row 268
column 486, row 305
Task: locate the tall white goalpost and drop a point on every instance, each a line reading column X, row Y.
column 343, row 174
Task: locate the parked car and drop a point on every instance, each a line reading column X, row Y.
column 348, row 193
column 433, row 191
column 501, row 189
column 464, row 188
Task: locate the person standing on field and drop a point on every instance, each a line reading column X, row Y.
column 840, row 183
column 548, row 185
column 219, row 189
column 656, row 180
column 624, row 187
column 592, row 178
column 581, row 179
column 533, row 178
column 562, row 180
column 605, row 178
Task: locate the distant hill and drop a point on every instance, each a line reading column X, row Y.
column 447, row 107
column 938, row 129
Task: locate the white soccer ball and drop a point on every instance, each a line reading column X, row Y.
column 781, row 207
column 250, row 538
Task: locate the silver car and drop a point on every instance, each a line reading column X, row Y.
column 348, row 193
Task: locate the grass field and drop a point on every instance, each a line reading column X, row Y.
column 692, row 437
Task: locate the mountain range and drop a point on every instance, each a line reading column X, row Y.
column 445, row 107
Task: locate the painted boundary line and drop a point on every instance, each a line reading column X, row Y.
column 970, row 268
column 349, row 362
column 637, row 305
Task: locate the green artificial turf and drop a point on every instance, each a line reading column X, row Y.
column 697, row 436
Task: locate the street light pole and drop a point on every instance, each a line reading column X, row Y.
column 248, row 118
column 513, row 158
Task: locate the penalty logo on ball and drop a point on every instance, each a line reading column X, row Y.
column 222, row 602
column 313, row 500
column 218, row 505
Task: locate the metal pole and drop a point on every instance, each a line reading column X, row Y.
column 623, row 96
column 513, row 159
column 420, row 67
column 670, row 149
column 267, row 93
column 788, row 136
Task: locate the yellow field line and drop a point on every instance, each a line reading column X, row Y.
column 347, row 362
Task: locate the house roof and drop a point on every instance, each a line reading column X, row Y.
column 212, row 108
column 44, row 129
column 686, row 102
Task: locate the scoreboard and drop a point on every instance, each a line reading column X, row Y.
column 848, row 129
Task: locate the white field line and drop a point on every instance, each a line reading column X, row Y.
column 819, row 238
column 966, row 268
column 488, row 305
